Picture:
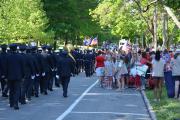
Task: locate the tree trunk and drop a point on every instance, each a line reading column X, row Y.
column 171, row 14
column 165, row 30
column 155, row 27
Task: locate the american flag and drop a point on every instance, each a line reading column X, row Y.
column 94, row 41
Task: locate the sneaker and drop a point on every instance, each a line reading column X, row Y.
column 143, row 88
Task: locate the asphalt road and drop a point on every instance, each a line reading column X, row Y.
column 86, row 101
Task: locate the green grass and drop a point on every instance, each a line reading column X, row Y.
column 167, row 108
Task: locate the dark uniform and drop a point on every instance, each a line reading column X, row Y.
column 52, row 64
column 29, row 75
column 87, row 64
column 3, row 73
column 65, row 68
column 14, row 75
column 46, row 71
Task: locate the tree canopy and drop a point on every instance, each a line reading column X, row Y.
column 47, row 21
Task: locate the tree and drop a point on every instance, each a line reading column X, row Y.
column 23, row 20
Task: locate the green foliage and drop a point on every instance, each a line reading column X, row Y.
column 132, row 19
column 175, row 4
column 121, row 17
column 22, row 20
column 167, row 109
column 70, row 19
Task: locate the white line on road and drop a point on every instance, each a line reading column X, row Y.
column 62, row 116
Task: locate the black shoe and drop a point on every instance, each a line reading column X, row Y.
column 57, row 85
column 50, row 89
column 29, row 99
column 23, row 103
column 65, row 96
column 4, row 95
column 45, row 93
column 36, row 95
column 16, row 107
column 11, row 105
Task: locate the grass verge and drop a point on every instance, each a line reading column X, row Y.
column 167, row 108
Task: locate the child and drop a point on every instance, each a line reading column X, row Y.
column 122, row 72
column 109, row 71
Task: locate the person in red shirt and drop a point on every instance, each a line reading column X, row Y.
column 100, row 67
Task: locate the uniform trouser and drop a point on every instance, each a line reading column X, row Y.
column 14, row 94
column 50, row 80
column 65, row 83
column 30, row 87
column 36, row 85
column 87, row 68
column 57, row 81
column 78, row 66
column 44, row 83
column 24, row 89
column 4, row 86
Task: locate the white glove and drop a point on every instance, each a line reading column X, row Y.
column 37, row 75
column 57, row 76
column 2, row 76
column 43, row 74
column 32, row 77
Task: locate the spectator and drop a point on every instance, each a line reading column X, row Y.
column 175, row 63
column 157, row 74
column 100, row 67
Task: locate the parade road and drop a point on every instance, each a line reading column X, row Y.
column 86, row 101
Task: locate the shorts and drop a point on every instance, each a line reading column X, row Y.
column 157, row 78
column 100, row 71
column 124, row 75
column 176, row 78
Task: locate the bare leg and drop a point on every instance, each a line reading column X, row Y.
column 176, row 88
column 155, row 89
column 160, row 88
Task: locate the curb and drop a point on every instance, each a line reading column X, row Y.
column 148, row 106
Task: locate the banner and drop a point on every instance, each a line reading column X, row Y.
column 87, row 41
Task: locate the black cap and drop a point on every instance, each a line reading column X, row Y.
column 33, row 48
column 22, row 47
column 44, row 47
column 4, row 46
column 13, row 47
column 49, row 47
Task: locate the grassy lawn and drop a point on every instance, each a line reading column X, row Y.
column 166, row 109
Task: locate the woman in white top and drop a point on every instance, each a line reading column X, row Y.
column 157, row 74
column 175, row 64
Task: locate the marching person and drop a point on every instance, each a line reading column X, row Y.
column 3, row 77
column 65, row 70
column 15, row 73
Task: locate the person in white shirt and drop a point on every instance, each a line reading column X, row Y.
column 175, row 64
column 157, row 74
